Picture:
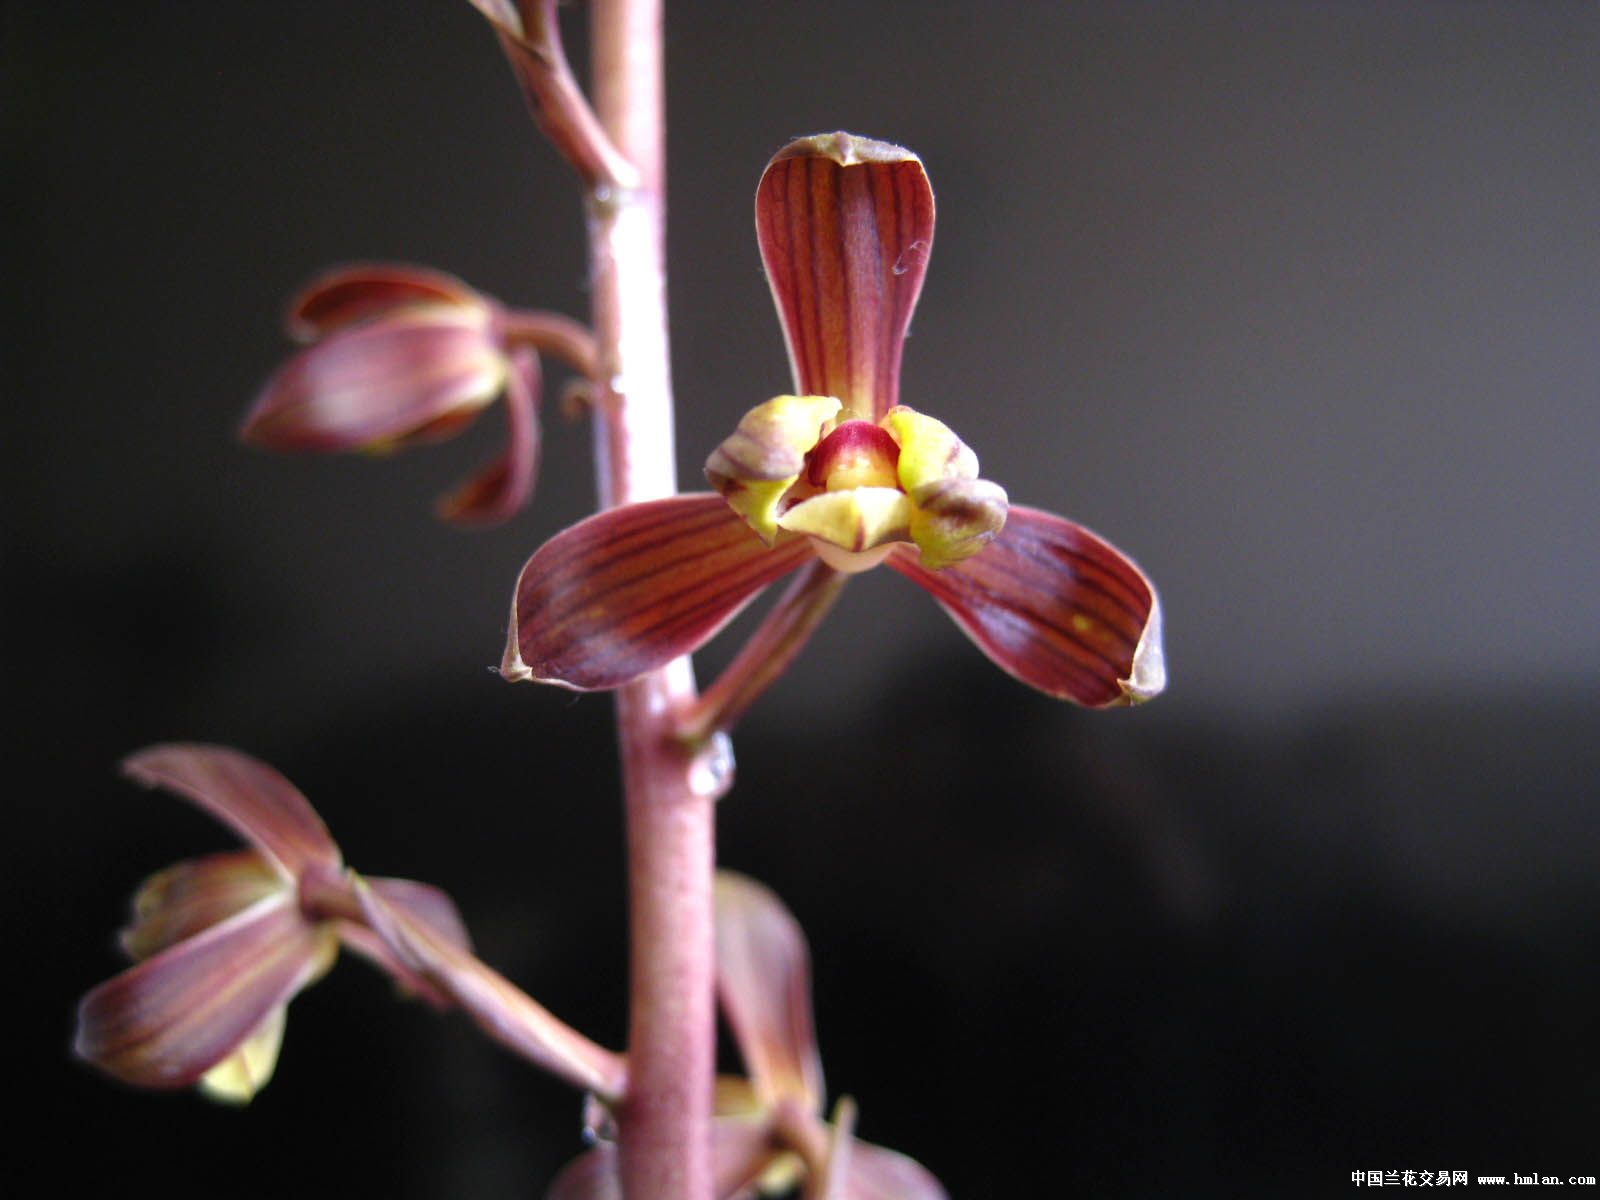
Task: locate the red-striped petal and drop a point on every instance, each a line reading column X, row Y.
column 764, row 981
column 245, row 794
column 167, row 1021
column 194, row 895
column 355, row 292
column 633, row 588
column 498, row 491
column 1056, row 607
column 417, row 373
column 845, row 226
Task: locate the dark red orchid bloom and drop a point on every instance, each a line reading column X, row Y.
column 840, row 472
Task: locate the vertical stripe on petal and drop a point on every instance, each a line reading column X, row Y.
column 633, row 588
column 1056, row 607
column 415, row 374
column 169, row 1020
column 194, row 895
column 355, row 292
column 845, row 226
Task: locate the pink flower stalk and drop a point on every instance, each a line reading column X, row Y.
column 769, row 1133
column 842, row 476
column 223, row 943
column 402, row 356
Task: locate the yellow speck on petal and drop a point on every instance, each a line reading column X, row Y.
column 237, row 1078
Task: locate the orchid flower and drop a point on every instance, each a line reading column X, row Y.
column 401, row 356
column 840, row 477
column 769, row 1134
column 223, row 943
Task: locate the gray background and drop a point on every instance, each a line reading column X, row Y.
column 1295, row 302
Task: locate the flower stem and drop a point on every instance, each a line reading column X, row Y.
column 532, row 42
column 552, row 333
column 664, row 1119
column 766, row 655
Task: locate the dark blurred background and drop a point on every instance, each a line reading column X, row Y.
column 1296, row 302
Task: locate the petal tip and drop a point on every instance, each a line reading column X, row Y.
column 136, row 767
column 630, row 589
column 1147, row 677
column 512, row 668
column 846, row 149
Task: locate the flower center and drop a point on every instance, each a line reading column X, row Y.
column 856, row 454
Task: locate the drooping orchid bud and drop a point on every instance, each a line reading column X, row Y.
column 843, row 473
column 403, row 356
